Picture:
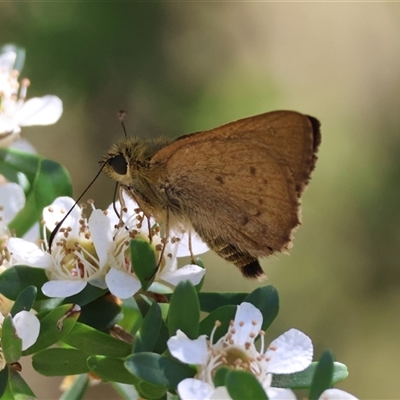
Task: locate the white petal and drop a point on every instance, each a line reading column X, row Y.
column 247, row 324
column 27, row 326
column 336, row 394
column 194, row 389
column 12, row 199
column 290, row 352
column 220, row 393
column 28, row 253
column 280, row 394
column 198, row 246
column 187, row 350
column 44, row 110
column 99, row 282
column 63, row 288
column 100, row 230
column 33, row 234
column 7, row 61
column 8, row 125
column 23, row 145
column 59, row 207
column 122, row 284
column 192, row 273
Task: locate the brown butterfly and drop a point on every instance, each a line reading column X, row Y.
column 238, row 186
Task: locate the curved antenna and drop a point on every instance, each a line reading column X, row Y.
column 121, row 115
column 58, row 226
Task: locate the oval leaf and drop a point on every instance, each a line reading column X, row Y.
column 15, row 279
column 158, row 370
column 144, row 263
column 111, row 369
column 53, row 327
column 91, row 341
column 184, row 310
column 244, row 385
column 323, row 375
column 25, row 300
column 60, row 362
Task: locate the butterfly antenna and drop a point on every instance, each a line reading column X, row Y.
column 114, row 200
column 58, row 226
column 121, row 116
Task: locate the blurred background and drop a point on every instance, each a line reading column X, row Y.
column 184, row 67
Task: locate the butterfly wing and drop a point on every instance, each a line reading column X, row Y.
column 239, row 184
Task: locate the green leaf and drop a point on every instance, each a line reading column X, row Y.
column 144, row 263
column 19, row 387
column 15, row 279
column 146, row 337
column 91, row 341
column 213, row 300
column 224, row 315
column 25, row 300
column 53, row 327
column 111, row 369
column 86, row 296
column 132, row 317
column 220, row 376
column 148, row 391
column 158, row 370
column 303, row 379
column 162, row 339
column 10, row 342
column 101, row 313
column 266, row 299
column 48, row 180
column 184, row 310
column 127, row 392
column 3, row 381
column 60, row 362
column 323, row 375
column 77, row 389
column 244, row 385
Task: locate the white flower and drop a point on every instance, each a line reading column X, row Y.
column 336, row 394
column 121, row 279
column 289, row 353
column 76, row 257
column 14, row 110
column 12, row 201
column 27, row 327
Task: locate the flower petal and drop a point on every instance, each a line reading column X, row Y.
column 12, row 200
column 290, row 352
column 63, row 288
column 220, row 393
column 23, row 145
column 247, row 324
column 28, row 253
column 44, row 110
column 280, row 394
column 27, row 326
column 198, row 246
column 336, row 394
column 100, row 231
column 187, row 350
column 192, row 273
column 122, row 284
column 56, row 211
column 194, row 389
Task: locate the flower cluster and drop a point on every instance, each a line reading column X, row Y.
column 289, row 353
column 96, row 251
column 15, row 110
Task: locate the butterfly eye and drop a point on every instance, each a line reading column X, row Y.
column 119, row 164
